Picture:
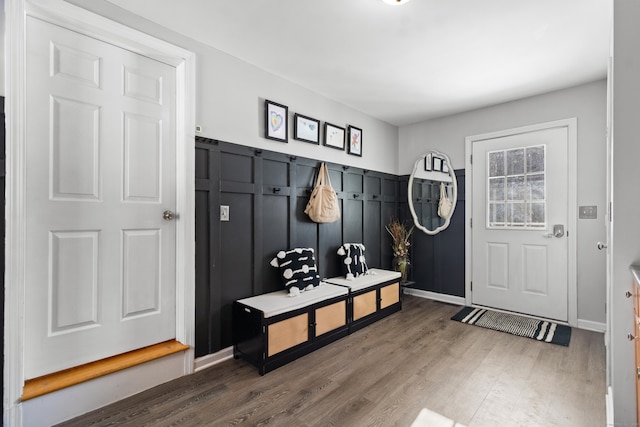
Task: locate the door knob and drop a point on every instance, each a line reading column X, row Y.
column 168, row 216
column 601, row 245
column 558, row 230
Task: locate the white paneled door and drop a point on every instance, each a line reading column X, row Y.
column 520, row 212
column 100, row 173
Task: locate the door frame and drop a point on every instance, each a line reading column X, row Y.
column 572, row 164
column 62, row 13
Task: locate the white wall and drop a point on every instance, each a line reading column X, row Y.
column 587, row 103
column 230, row 96
column 625, row 240
column 230, row 108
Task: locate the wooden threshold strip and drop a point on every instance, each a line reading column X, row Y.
column 58, row 380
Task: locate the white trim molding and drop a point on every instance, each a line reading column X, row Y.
column 15, row 52
column 212, row 359
column 609, row 407
column 80, row 20
column 589, row 325
column 450, row 299
column 571, row 124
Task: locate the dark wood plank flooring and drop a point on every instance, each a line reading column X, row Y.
column 384, row 375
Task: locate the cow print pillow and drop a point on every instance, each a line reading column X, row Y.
column 353, row 262
column 298, row 269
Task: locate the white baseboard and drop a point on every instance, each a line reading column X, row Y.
column 55, row 407
column 609, row 406
column 592, row 326
column 451, row 299
column 213, row 359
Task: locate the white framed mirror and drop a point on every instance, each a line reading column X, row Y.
column 431, row 181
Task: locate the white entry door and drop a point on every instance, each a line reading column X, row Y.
column 520, row 215
column 100, row 172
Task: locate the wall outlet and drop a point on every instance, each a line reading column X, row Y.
column 224, row 213
column 198, row 128
column 588, row 212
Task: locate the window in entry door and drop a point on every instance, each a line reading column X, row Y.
column 516, row 182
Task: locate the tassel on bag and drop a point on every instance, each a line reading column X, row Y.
column 323, row 205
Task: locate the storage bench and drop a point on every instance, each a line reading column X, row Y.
column 371, row 297
column 273, row 329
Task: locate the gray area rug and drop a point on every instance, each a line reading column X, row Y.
column 541, row 330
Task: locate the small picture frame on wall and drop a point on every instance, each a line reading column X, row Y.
column 445, row 166
column 427, row 162
column 355, row 141
column 333, row 136
column 275, row 121
column 437, row 164
column 306, row 129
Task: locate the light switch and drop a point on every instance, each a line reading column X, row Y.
column 588, row 212
column 224, row 213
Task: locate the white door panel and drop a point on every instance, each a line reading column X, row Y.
column 518, row 265
column 101, row 169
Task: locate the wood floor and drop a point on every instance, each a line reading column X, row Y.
column 384, row 375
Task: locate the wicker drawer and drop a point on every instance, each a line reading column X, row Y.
column 273, row 329
column 371, row 297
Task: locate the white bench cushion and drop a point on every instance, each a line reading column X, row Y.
column 373, row 277
column 279, row 302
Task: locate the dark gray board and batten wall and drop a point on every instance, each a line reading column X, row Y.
column 266, row 193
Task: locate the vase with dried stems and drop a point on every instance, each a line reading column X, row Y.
column 401, row 242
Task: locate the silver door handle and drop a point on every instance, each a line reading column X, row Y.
column 558, row 231
column 168, row 216
column 601, row 245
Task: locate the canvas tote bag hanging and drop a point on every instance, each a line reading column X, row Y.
column 323, row 205
column 444, row 206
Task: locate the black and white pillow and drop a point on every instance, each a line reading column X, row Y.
column 298, row 269
column 353, row 263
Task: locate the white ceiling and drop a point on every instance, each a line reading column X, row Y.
column 404, row 64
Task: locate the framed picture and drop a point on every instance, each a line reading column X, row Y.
column 427, row 162
column 333, row 136
column 355, row 141
column 445, row 166
column 275, row 121
column 437, row 164
column 306, row 129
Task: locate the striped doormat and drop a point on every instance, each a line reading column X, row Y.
column 540, row 330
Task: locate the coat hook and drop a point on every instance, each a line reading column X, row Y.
column 293, row 158
column 258, row 152
column 345, row 168
column 276, row 190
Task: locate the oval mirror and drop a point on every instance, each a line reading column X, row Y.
column 431, row 181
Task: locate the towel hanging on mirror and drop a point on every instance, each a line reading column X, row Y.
column 444, row 206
